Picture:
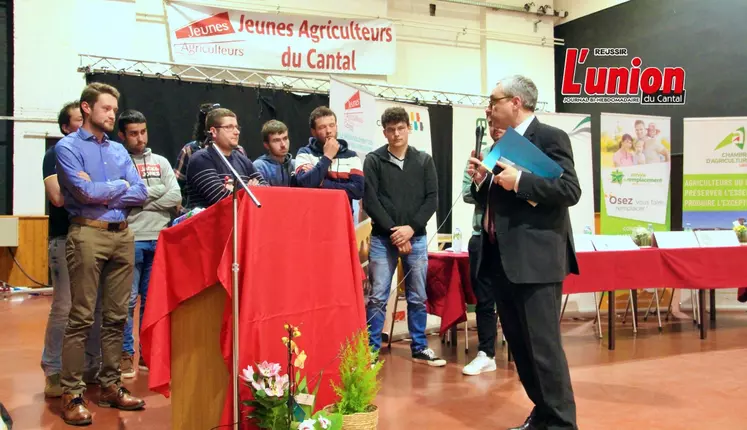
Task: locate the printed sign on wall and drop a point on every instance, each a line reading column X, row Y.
column 714, row 182
column 231, row 38
column 635, row 163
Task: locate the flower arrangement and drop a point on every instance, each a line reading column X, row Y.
column 282, row 401
column 641, row 236
column 741, row 231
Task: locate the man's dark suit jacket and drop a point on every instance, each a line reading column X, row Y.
column 536, row 242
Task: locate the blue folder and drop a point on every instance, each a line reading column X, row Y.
column 516, row 150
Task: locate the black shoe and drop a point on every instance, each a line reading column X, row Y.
column 531, row 423
column 427, row 356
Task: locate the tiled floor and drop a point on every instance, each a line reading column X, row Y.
column 653, row 381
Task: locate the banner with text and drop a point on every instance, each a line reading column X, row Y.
column 635, row 152
column 268, row 41
column 578, row 128
column 356, row 111
column 714, row 172
column 465, row 121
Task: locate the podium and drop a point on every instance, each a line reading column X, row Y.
column 299, row 264
column 200, row 379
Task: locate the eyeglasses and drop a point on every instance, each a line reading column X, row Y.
column 229, row 127
column 493, row 101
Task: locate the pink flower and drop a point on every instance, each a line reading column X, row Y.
column 259, row 386
column 248, row 374
column 282, row 382
column 277, row 386
column 268, row 370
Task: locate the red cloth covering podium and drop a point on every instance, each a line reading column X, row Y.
column 299, row 264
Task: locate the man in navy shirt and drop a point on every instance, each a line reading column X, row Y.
column 206, row 172
column 69, row 120
column 100, row 184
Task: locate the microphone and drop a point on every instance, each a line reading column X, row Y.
column 479, row 134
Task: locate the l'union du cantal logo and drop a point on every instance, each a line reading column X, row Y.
column 737, row 138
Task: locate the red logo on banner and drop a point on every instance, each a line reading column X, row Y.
column 354, row 102
column 211, row 26
column 619, row 84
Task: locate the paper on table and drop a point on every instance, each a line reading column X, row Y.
column 675, row 239
column 613, row 243
column 583, row 243
column 716, row 238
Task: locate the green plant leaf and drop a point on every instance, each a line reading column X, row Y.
column 359, row 383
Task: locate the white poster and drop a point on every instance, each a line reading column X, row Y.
column 465, row 121
column 635, row 153
column 714, row 173
column 231, row 38
column 578, row 128
column 356, row 112
column 356, row 116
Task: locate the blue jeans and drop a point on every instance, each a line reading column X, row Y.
column 382, row 264
column 58, row 314
column 144, row 252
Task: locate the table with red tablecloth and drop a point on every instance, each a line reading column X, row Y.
column 600, row 271
column 449, row 287
column 298, row 264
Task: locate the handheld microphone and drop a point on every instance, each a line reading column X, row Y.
column 479, row 134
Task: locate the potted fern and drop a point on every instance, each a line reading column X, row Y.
column 359, row 385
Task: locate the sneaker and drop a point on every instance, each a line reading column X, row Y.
column 141, row 364
column 53, row 387
column 427, row 356
column 126, row 367
column 481, row 363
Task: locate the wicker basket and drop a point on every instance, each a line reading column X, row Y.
column 359, row 421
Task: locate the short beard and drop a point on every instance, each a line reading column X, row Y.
column 101, row 126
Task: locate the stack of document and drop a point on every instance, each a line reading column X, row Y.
column 516, row 150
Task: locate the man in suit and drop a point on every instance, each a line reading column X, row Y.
column 528, row 251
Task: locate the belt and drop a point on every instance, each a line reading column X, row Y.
column 110, row 226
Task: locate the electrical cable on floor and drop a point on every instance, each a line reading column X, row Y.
column 24, row 272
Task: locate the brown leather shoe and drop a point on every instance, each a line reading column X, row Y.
column 74, row 410
column 119, row 397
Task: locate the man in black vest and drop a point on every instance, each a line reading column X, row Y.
column 528, row 251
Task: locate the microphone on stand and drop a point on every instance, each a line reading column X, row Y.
column 235, row 284
column 235, row 175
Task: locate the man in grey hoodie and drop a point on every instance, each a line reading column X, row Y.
column 147, row 222
column 277, row 166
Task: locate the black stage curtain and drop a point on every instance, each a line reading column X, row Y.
column 442, row 145
column 171, row 108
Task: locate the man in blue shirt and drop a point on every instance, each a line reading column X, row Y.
column 69, row 120
column 277, row 166
column 100, row 184
column 207, row 172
